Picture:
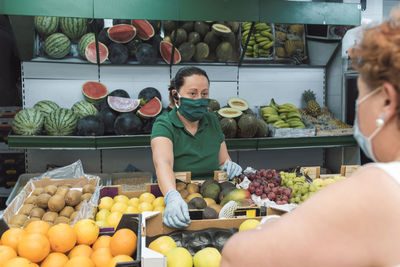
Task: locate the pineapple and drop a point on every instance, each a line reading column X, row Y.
column 313, row 108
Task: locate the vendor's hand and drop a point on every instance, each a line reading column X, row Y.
column 176, row 214
column 232, row 169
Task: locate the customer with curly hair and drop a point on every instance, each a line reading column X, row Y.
column 354, row 222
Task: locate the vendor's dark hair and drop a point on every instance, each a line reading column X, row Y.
column 179, row 80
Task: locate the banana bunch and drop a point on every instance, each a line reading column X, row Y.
column 261, row 39
column 282, row 116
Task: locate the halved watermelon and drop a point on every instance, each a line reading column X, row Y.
column 94, row 91
column 166, row 52
column 91, row 55
column 122, row 104
column 151, row 109
column 144, row 29
column 121, row 33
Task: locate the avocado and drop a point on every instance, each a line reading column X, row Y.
column 210, row 213
column 198, row 203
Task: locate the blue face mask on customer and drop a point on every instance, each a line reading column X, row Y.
column 364, row 142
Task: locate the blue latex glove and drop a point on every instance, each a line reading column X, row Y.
column 232, row 169
column 176, row 213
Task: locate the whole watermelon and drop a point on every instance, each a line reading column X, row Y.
column 90, row 126
column 74, row 28
column 28, row 121
column 57, row 45
column 127, row 123
column 83, row 109
column 46, row 25
column 149, row 93
column 61, row 122
column 46, row 107
column 108, row 116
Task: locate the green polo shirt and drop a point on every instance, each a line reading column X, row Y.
column 195, row 153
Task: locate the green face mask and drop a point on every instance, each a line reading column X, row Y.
column 192, row 109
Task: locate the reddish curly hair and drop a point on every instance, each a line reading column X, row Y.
column 377, row 57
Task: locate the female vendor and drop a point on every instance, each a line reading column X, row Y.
column 188, row 138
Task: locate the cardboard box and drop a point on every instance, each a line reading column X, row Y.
column 153, row 226
column 18, row 201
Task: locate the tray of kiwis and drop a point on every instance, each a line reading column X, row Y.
column 53, row 203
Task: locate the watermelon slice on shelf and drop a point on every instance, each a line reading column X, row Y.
column 122, row 104
column 151, row 109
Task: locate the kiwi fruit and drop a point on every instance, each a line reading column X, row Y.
column 31, row 200
column 56, row 203
column 18, row 219
column 180, row 186
column 26, row 209
column 37, row 212
column 73, row 215
column 192, row 188
column 67, row 211
column 184, row 193
column 78, row 207
column 86, row 196
column 62, row 190
column 50, row 216
column 50, row 189
column 42, row 200
column 61, row 219
column 73, row 197
column 38, row 191
column 209, row 201
column 89, row 188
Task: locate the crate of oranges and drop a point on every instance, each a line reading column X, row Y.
column 40, row 244
column 114, row 203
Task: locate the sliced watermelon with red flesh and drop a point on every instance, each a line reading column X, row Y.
column 121, row 33
column 122, row 104
column 166, row 51
column 151, row 109
column 144, row 29
column 94, row 91
column 90, row 52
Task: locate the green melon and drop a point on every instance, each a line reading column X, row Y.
column 83, row 109
column 28, row 121
column 229, row 127
column 214, row 105
column 247, row 126
column 224, row 52
column 46, row 107
column 74, row 28
column 262, row 128
column 46, row 25
column 61, row 122
column 57, row 45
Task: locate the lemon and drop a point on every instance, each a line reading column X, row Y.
column 121, row 198
column 114, row 218
column 102, row 223
column 163, row 244
column 102, row 215
column 119, row 206
column 131, row 209
column 248, row 224
column 106, row 203
column 145, row 206
column 147, row 197
column 159, row 208
column 159, row 202
column 207, row 257
column 134, row 202
column 179, row 257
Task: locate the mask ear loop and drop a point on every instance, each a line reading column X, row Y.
column 369, row 94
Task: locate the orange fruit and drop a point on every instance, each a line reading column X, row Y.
column 119, row 258
column 101, row 257
column 6, row 253
column 39, row 227
column 18, row 262
column 80, row 261
column 34, row 247
column 80, row 250
column 55, row 259
column 62, row 237
column 123, row 242
column 102, row 242
column 12, row 236
column 86, row 231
